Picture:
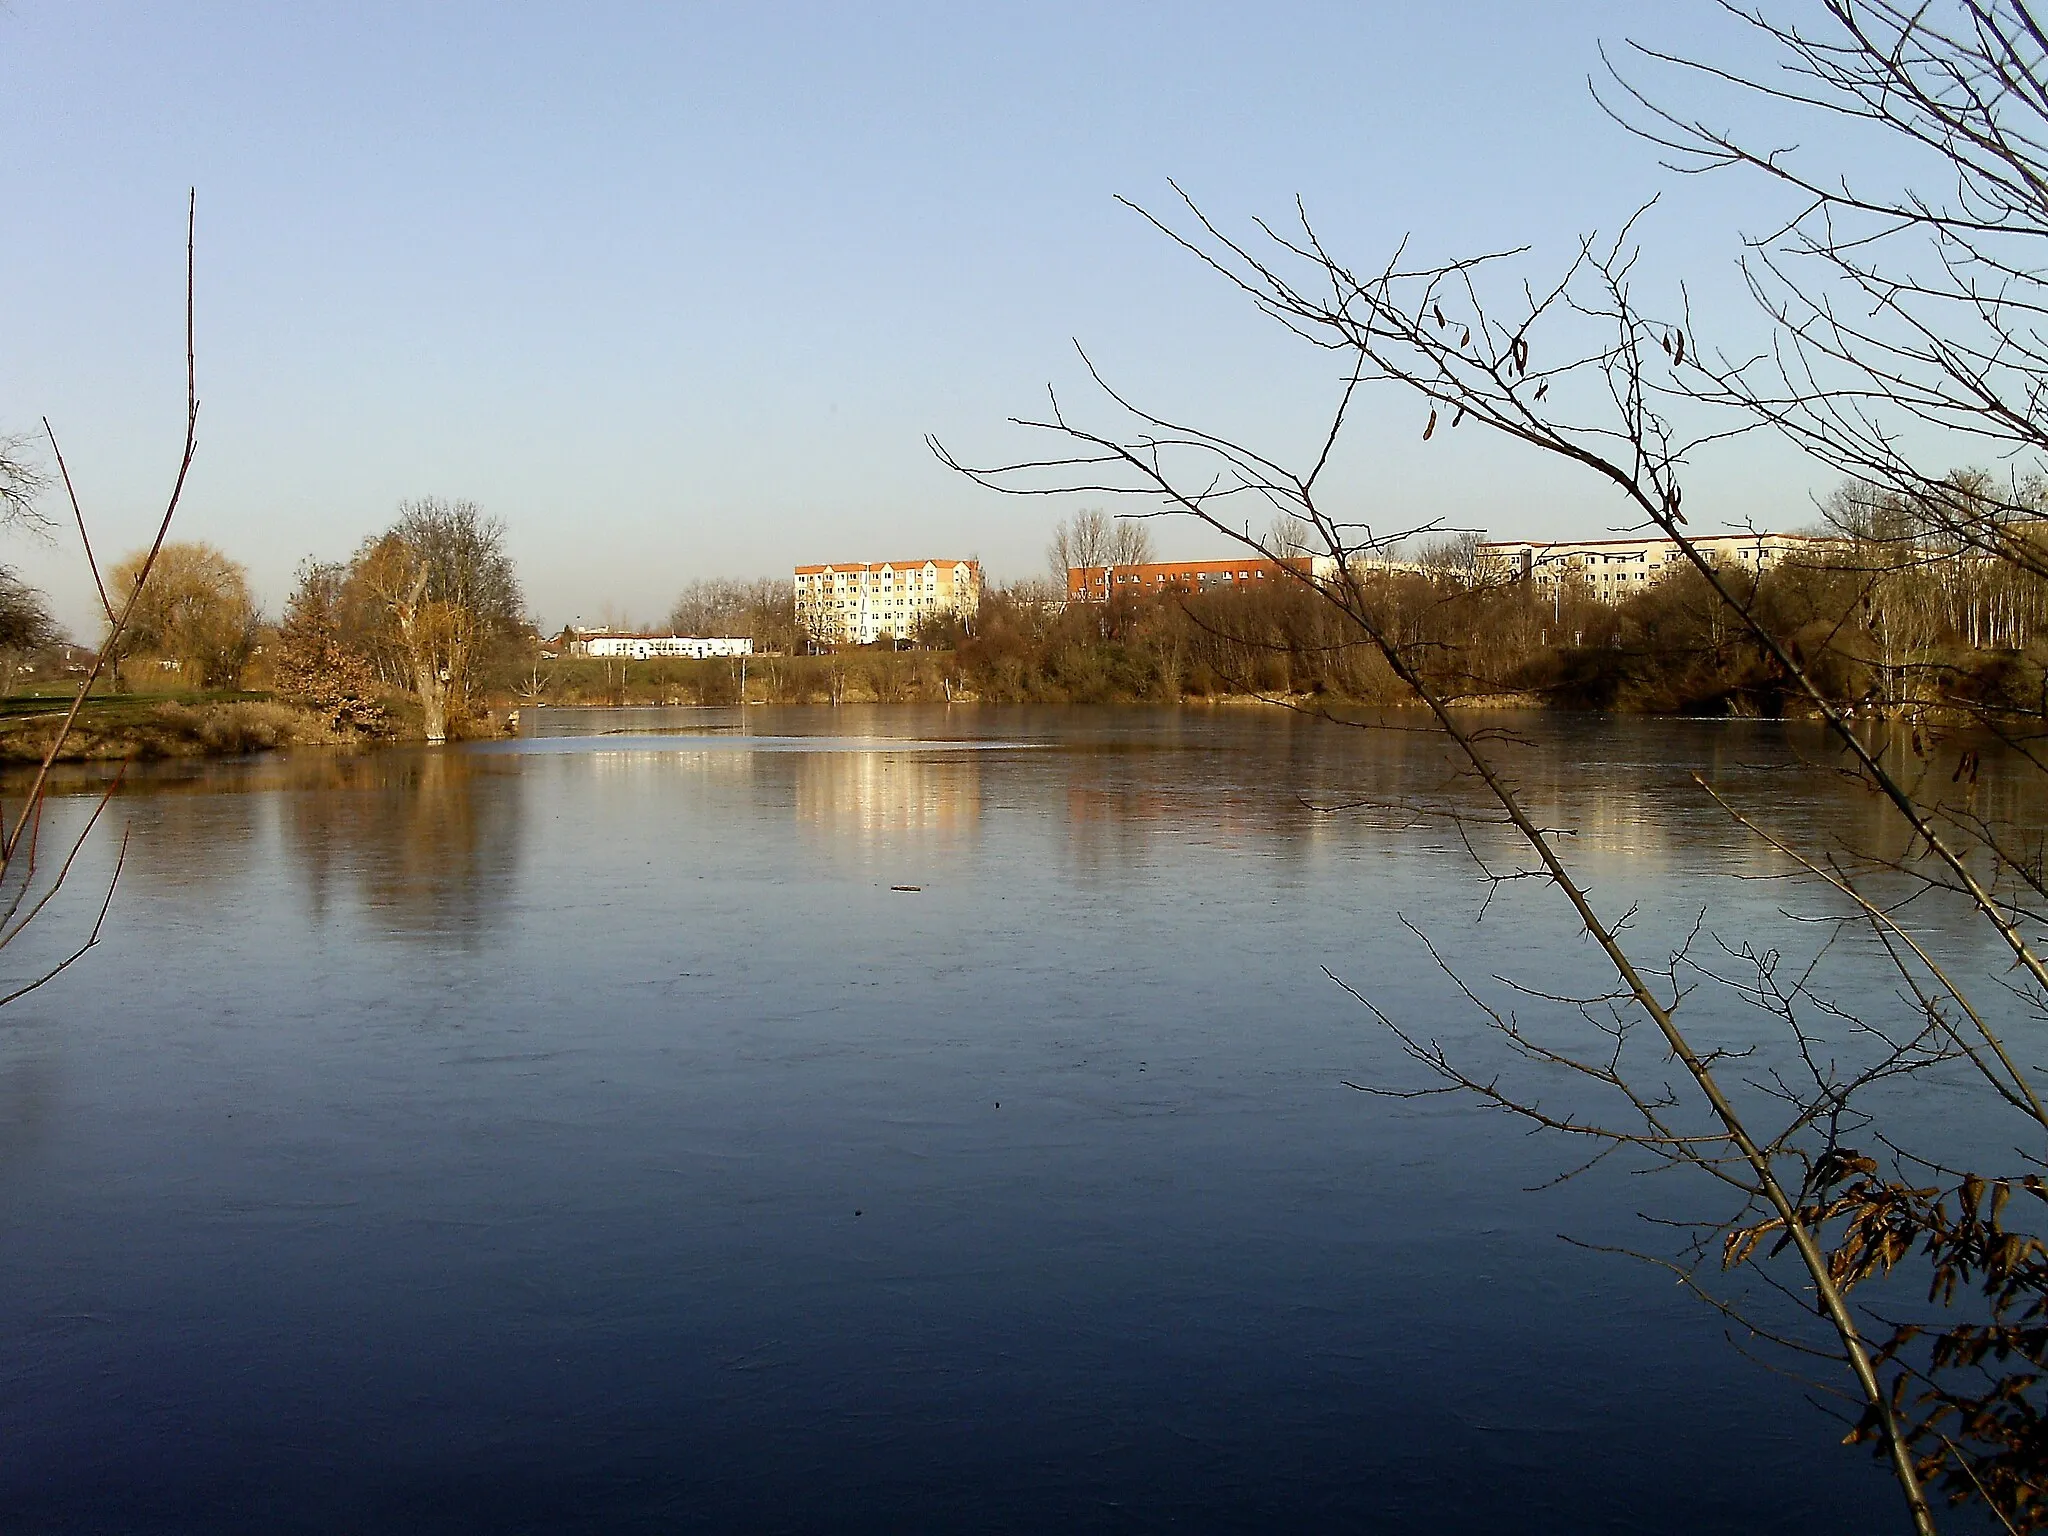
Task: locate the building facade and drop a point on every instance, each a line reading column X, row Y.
column 591, row 642
column 1095, row 583
column 1616, row 568
column 860, row 603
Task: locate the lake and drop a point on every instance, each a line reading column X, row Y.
column 870, row 1119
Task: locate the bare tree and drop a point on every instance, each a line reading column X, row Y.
column 1891, row 303
column 1093, row 540
column 435, row 595
column 27, row 894
column 463, row 552
column 21, row 483
column 1455, row 554
column 25, row 627
column 25, row 622
column 762, row 610
column 1290, row 536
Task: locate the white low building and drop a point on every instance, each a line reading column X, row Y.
column 648, row 647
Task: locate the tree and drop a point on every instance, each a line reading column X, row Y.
column 19, row 838
column 1452, row 553
column 1905, row 339
column 25, row 622
column 434, row 600
column 1091, row 539
column 316, row 665
column 463, row 553
column 25, row 626
column 20, row 484
column 762, row 610
column 194, row 608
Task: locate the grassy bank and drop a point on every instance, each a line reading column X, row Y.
column 119, row 726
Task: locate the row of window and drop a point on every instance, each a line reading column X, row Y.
column 909, row 602
column 855, row 586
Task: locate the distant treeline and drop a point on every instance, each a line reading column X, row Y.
column 1875, row 626
column 421, row 632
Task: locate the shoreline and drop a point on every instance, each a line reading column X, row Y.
column 127, row 729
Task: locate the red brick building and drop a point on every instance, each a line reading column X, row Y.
column 1094, row 583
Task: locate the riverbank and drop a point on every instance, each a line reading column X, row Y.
column 121, row 727
column 147, row 727
column 908, row 677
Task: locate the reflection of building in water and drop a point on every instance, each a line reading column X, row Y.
column 874, row 793
column 690, row 762
column 1099, row 811
column 1113, row 809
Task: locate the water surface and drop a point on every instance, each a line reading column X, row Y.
column 861, row 1120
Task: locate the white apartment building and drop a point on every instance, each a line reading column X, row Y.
column 646, row 647
column 1616, row 568
column 861, row 603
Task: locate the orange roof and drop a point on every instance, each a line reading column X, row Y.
column 884, row 565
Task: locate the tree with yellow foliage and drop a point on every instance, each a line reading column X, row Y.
column 195, row 609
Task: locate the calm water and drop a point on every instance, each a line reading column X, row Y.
column 587, row 1133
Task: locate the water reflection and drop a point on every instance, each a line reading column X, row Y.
column 427, row 841
column 186, row 846
column 1626, row 792
column 28, row 1092
column 432, row 840
column 632, row 764
column 872, row 795
column 630, row 720
column 1113, row 812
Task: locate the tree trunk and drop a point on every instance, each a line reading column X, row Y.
column 433, row 694
column 429, row 680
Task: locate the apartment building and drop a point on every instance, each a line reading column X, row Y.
column 1094, row 583
column 1616, row 568
column 863, row 602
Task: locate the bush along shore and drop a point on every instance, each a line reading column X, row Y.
column 144, row 727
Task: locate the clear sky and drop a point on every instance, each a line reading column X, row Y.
column 677, row 290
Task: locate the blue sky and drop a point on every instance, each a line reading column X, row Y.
column 677, row 290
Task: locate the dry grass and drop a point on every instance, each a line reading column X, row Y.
column 172, row 730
